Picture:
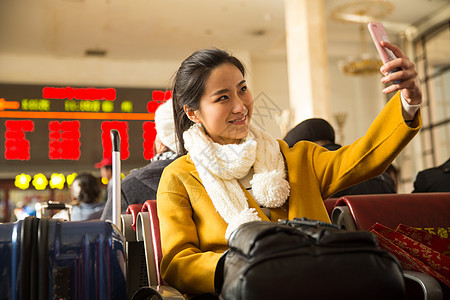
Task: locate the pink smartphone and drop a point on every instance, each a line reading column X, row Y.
column 379, row 34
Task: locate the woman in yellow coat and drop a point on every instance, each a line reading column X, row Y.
column 233, row 172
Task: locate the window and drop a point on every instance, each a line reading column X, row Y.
column 433, row 65
column 431, row 147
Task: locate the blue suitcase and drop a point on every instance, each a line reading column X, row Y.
column 50, row 259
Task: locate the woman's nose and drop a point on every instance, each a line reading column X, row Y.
column 239, row 106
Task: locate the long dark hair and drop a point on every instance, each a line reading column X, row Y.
column 189, row 85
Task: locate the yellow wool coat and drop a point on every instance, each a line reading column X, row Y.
column 192, row 231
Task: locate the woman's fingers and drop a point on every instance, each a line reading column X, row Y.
column 401, row 72
column 404, row 84
column 405, row 71
column 397, row 51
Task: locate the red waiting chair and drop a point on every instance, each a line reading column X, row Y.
column 140, row 226
column 147, row 231
column 427, row 211
column 136, row 266
column 330, row 203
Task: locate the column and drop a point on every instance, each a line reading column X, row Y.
column 307, row 59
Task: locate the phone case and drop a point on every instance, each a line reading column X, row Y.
column 379, row 34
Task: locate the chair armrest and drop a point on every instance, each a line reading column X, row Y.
column 157, row 293
column 342, row 216
column 430, row 286
column 168, row 293
column 329, row 205
column 127, row 229
column 143, row 234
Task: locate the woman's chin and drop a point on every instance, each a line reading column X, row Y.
column 240, row 137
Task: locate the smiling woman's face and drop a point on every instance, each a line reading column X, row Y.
column 226, row 106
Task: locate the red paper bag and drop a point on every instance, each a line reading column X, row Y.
column 413, row 255
column 433, row 241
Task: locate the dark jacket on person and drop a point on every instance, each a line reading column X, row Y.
column 381, row 184
column 317, row 129
column 138, row 187
column 433, row 180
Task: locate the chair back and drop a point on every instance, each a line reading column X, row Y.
column 147, row 231
column 150, row 207
column 330, row 203
column 427, row 211
column 145, row 253
column 133, row 210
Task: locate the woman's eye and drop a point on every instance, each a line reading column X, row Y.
column 222, row 98
column 244, row 88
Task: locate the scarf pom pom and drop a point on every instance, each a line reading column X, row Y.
column 246, row 215
column 270, row 189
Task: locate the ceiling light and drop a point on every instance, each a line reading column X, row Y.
column 364, row 64
column 361, row 12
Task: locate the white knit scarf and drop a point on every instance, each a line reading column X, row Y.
column 220, row 167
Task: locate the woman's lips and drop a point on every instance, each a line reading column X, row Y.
column 239, row 121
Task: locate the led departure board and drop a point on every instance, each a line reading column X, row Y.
column 67, row 128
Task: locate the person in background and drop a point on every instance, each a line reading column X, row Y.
column 433, row 180
column 320, row 132
column 141, row 184
column 394, row 172
column 231, row 172
column 85, row 194
column 105, row 167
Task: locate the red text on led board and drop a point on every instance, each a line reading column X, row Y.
column 79, row 93
column 64, row 140
column 17, row 147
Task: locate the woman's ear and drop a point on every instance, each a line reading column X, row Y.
column 190, row 113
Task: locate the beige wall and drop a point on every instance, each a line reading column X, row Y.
column 360, row 97
column 270, row 84
column 85, row 71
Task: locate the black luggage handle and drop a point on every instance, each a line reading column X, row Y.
column 115, row 140
column 56, row 205
column 307, row 222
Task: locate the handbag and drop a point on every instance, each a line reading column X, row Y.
column 306, row 259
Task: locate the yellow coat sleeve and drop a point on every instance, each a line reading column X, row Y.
column 316, row 173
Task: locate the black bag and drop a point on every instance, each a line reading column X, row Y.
column 304, row 259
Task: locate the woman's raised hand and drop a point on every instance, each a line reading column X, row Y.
column 406, row 79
